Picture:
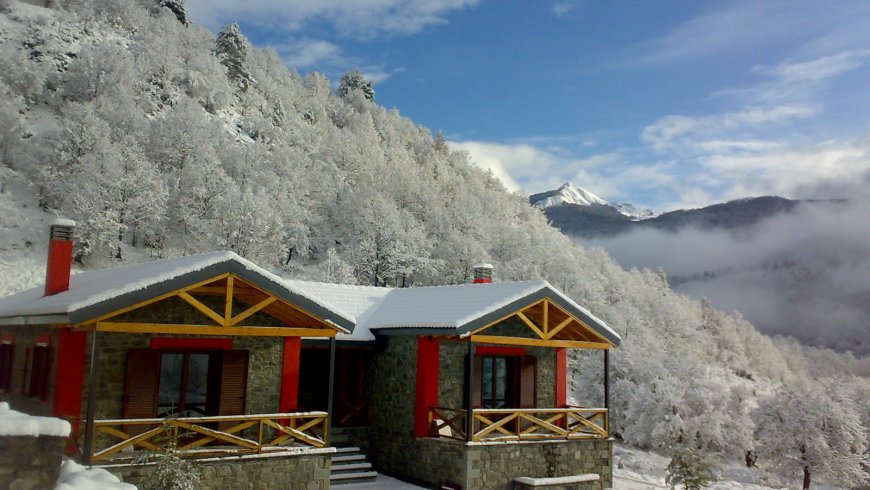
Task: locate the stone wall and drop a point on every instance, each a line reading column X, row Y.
column 391, row 383
column 307, row 471
column 30, row 462
column 494, row 466
column 24, row 338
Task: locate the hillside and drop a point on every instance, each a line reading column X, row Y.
column 160, row 142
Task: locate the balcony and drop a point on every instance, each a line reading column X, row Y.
column 118, row 439
column 519, row 424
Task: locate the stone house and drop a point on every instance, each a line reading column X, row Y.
column 261, row 377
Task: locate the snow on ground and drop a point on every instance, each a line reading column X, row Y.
column 14, row 423
column 74, row 476
column 633, row 470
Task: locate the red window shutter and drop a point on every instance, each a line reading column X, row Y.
column 141, row 386
column 234, row 385
column 528, row 387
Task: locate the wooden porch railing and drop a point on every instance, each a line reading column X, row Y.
column 200, row 436
column 520, row 424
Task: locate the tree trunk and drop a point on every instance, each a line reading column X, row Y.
column 806, row 478
column 750, row 458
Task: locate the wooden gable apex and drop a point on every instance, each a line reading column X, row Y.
column 225, row 304
column 546, row 324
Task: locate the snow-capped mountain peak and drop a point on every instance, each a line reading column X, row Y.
column 570, row 193
column 634, row 212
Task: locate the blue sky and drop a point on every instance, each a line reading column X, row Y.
column 666, row 104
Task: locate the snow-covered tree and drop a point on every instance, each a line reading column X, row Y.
column 805, row 434
column 386, row 245
column 177, row 8
column 688, row 468
column 231, row 48
column 335, row 270
column 354, row 82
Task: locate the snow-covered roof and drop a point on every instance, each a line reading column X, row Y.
column 361, row 310
column 94, row 293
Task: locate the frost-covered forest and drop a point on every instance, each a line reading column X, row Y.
column 162, row 139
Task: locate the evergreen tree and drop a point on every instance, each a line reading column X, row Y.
column 353, row 82
column 176, row 7
column 231, row 48
column 687, row 468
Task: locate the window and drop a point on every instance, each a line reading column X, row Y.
column 497, row 388
column 505, row 382
column 37, row 368
column 7, row 353
column 185, row 382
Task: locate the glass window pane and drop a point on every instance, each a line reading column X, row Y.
column 500, row 381
column 486, row 398
column 197, row 383
column 170, row 383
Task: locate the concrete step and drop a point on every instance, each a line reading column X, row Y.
column 351, row 467
column 358, row 477
column 351, row 458
column 342, row 450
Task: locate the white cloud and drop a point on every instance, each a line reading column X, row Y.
column 735, row 26
column 352, row 18
column 788, row 274
column 563, row 8
column 676, row 129
column 792, row 171
column 310, row 52
column 816, row 70
column 329, row 59
column 523, row 167
column 796, row 80
column 512, row 163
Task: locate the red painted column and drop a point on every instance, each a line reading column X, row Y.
column 290, row 374
column 427, row 383
column 70, row 375
column 561, row 378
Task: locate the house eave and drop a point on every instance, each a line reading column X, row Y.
column 34, row 320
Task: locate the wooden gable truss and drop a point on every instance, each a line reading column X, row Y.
column 549, row 326
column 240, row 303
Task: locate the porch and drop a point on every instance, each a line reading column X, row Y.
column 210, row 371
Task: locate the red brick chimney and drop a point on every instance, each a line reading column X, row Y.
column 60, row 248
column 483, row 273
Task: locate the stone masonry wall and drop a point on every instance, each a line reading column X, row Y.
column 391, row 402
column 30, row 462
column 264, row 364
column 25, row 337
column 293, row 472
column 494, row 466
